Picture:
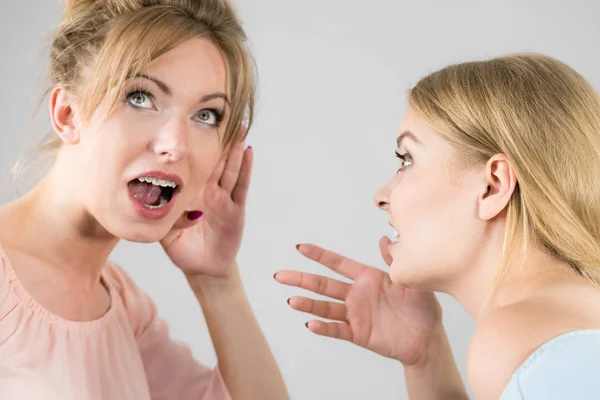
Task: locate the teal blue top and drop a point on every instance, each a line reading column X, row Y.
column 564, row 368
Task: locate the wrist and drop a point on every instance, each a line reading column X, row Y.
column 436, row 349
column 202, row 284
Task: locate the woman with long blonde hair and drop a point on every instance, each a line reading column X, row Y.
column 497, row 203
column 150, row 104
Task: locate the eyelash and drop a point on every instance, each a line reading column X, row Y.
column 218, row 115
column 217, row 112
column 138, row 91
column 406, row 160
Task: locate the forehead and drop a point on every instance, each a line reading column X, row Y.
column 411, row 122
column 431, row 145
column 194, row 65
column 423, row 133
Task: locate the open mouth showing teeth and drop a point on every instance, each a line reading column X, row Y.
column 152, row 192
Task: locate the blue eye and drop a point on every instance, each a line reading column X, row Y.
column 210, row 116
column 140, row 99
column 405, row 160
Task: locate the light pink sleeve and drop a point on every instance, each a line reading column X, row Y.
column 171, row 369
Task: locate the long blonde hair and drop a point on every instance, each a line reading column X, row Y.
column 545, row 117
column 100, row 44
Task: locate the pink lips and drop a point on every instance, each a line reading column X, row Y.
column 389, row 246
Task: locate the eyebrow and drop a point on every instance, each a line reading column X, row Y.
column 167, row 90
column 406, row 134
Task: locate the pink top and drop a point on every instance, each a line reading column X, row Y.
column 126, row 354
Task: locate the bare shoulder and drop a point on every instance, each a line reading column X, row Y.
column 505, row 338
column 9, row 220
column 6, row 224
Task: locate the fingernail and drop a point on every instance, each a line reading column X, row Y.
column 288, row 300
column 194, row 215
column 250, row 147
column 306, row 324
column 297, row 247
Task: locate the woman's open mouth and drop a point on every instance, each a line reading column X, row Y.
column 396, row 236
column 153, row 193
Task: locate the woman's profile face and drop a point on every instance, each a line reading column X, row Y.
column 139, row 170
column 431, row 202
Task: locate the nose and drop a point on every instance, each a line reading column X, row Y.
column 382, row 198
column 173, row 141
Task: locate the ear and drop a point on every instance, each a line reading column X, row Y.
column 62, row 116
column 500, row 183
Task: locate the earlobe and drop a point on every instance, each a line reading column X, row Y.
column 500, row 183
column 62, row 117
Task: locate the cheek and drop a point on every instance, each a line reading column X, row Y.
column 102, row 156
column 430, row 216
column 203, row 159
column 116, row 143
column 418, row 203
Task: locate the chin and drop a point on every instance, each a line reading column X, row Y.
column 413, row 277
column 133, row 227
column 143, row 238
column 142, row 233
column 399, row 275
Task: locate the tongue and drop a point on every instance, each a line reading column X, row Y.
column 145, row 193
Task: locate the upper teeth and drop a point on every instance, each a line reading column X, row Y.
column 157, row 182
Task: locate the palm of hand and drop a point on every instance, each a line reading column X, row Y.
column 387, row 319
column 210, row 246
column 390, row 320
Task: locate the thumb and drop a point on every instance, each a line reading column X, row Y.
column 187, row 220
column 383, row 248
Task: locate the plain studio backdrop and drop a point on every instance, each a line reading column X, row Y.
column 333, row 79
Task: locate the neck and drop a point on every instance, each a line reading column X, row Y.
column 480, row 291
column 52, row 225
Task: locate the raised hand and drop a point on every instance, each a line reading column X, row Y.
column 210, row 246
column 392, row 321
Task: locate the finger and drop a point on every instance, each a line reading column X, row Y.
column 240, row 191
column 383, row 248
column 340, row 264
column 323, row 309
column 232, row 167
column 184, row 222
column 315, row 283
column 337, row 330
column 218, row 171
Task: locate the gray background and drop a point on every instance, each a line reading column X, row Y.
column 333, row 78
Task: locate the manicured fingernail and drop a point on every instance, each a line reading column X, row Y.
column 306, row 324
column 250, row 147
column 275, row 275
column 288, row 300
column 194, row 215
column 297, row 247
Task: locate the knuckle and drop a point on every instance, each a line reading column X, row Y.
column 321, row 285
